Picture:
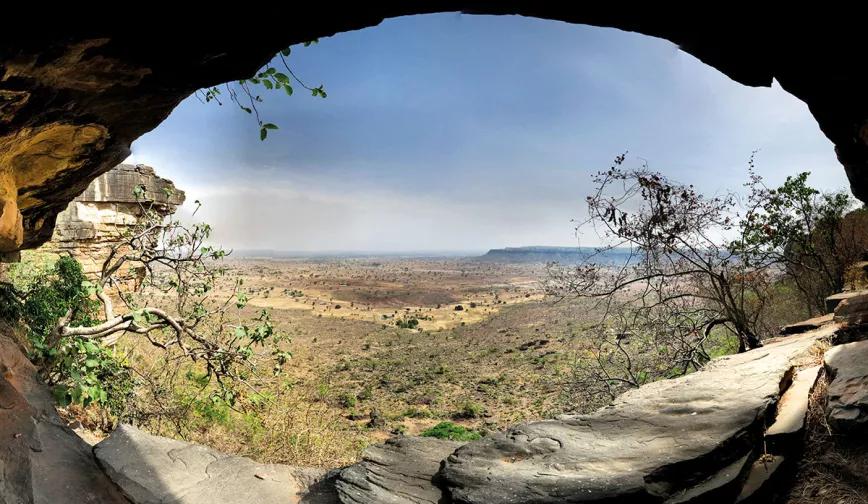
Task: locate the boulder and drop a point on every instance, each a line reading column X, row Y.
column 400, row 471
column 657, row 443
column 847, row 403
column 157, row 470
column 42, row 461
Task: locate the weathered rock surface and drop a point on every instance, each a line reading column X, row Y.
column 756, row 486
column 807, row 325
column 400, row 471
column 74, row 95
column 94, row 220
column 657, row 443
column 41, row 460
column 791, row 410
column 156, row 470
column 851, row 308
column 834, row 300
column 847, row 368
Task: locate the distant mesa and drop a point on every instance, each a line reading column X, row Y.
column 563, row 255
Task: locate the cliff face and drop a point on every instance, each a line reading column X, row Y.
column 73, row 96
column 95, row 219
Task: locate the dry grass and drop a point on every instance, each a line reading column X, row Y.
column 501, row 366
column 833, row 469
column 294, row 430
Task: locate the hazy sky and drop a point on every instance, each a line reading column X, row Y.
column 458, row 132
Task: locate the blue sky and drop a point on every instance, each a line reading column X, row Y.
column 458, row 132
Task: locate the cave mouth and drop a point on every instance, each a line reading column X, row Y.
column 407, row 169
column 409, row 343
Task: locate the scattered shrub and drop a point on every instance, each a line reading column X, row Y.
column 347, row 400
column 410, row 323
column 452, row 432
column 366, row 394
column 469, row 409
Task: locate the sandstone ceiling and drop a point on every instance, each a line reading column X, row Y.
column 74, row 96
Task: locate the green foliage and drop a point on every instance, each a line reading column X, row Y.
column 212, row 409
column 348, row 400
column 452, row 432
column 246, row 93
column 787, row 213
column 802, row 230
column 10, row 303
column 79, row 370
column 61, row 289
column 470, row 409
column 410, row 323
column 85, row 373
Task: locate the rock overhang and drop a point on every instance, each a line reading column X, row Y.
column 74, row 96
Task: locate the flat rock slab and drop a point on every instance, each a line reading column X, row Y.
column 400, row 471
column 42, row 461
column 157, row 470
column 847, row 405
column 721, row 486
column 807, row 325
column 653, row 444
column 761, row 473
column 792, row 409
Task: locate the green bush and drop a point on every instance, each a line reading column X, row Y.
column 411, row 323
column 469, row 409
column 347, row 400
column 80, row 371
column 451, row 431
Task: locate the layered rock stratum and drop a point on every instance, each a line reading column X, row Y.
column 98, row 218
